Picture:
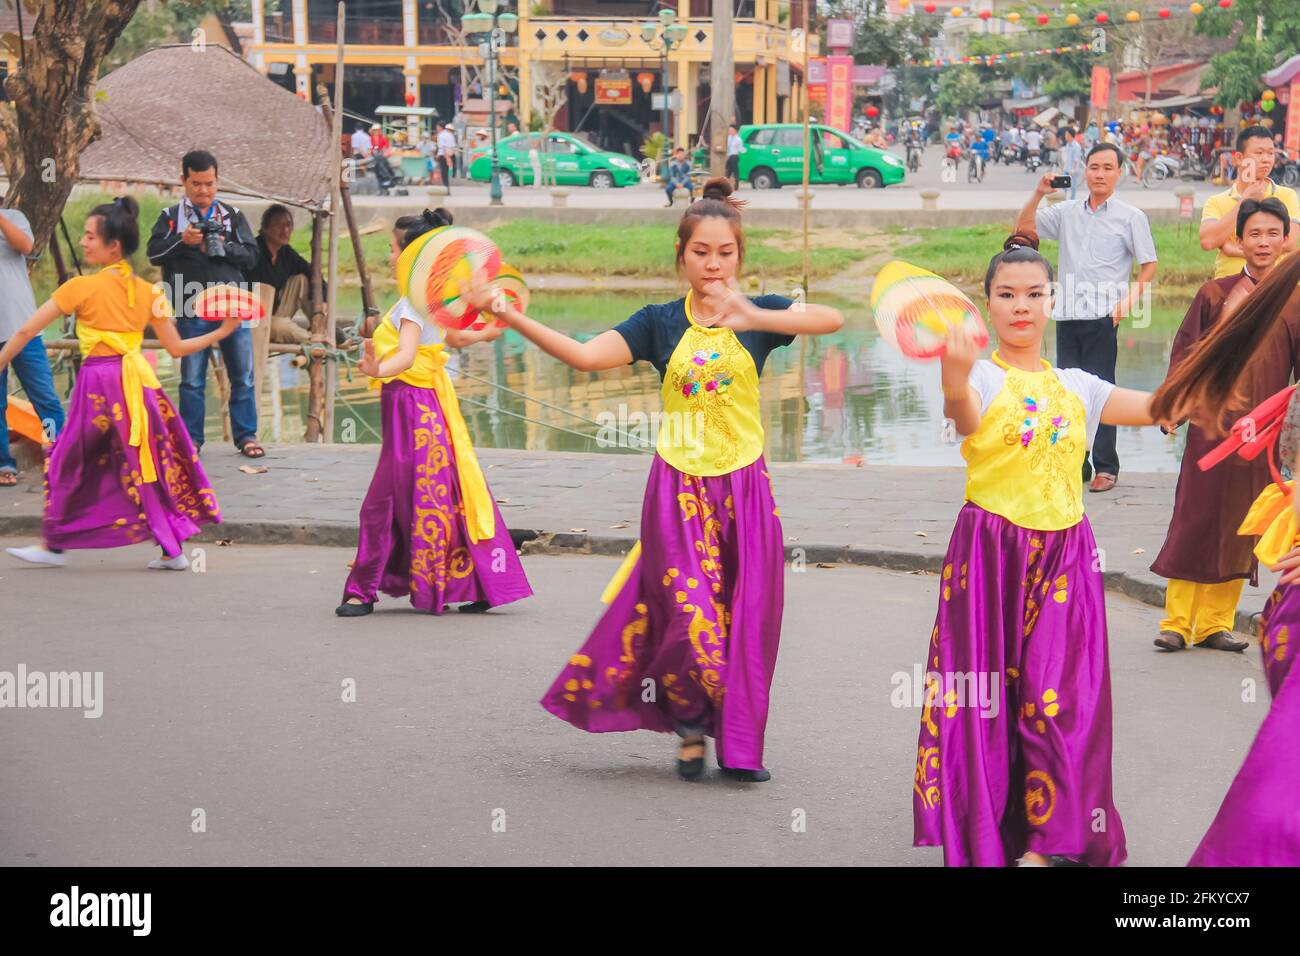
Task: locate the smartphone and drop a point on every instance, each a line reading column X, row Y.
column 1060, row 182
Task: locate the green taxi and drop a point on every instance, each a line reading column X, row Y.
column 566, row 160
column 773, row 157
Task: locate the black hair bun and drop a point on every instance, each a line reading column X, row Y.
column 1021, row 240
column 437, row 218
column 718, row 188
column 128, row 205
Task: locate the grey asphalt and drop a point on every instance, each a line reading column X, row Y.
column 223, row 692
column 879, row 515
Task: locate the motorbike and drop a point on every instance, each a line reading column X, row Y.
column 1187, row 166
column 1033, row 161
column 913, row 156
column 1009, row 154
column 975, row 168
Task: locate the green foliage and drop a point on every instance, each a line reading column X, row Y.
column 653, row 146
column 960, row 89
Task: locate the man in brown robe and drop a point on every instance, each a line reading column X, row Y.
column 1206, row 561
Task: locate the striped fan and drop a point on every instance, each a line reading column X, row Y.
column 510, row 283
column 446, row 258
column 914, row 309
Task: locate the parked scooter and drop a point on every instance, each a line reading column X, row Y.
column 1188, row 166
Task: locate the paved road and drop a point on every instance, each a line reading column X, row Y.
column 887, row 515
column 222, row 691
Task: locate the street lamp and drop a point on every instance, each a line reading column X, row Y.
column 665, row 35
column 494, row 24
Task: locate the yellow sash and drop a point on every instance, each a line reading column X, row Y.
column 1025, row 460
column 137, row 375
column 1273, row 518
column 427, row 371
column 711, row 423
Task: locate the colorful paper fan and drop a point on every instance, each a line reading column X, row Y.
column 510, row 283
column 448, row 257
column 915, row 308
column 21, row 419
column 218, row 302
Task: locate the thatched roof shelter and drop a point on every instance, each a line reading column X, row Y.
column 269, row 143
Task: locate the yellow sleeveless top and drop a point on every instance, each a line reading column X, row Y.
column 711, row 423
column 1025, row 460
column 428, row 371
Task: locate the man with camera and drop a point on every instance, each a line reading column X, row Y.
column 200, row 242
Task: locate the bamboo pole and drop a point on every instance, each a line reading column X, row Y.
column 331, row 371
column 354, row 234
column 807, row 144
column 315, row 373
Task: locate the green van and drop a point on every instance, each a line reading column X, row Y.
column 773, row 157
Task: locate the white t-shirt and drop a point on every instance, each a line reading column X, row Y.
column 987, row 378
column 1034, row 139
column 361, row 143
column 446, row 142
column 403, row 311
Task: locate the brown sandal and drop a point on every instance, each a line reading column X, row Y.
column 251, row 449
column 8, row 479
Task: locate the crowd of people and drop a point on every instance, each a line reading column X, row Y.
column 689, row 641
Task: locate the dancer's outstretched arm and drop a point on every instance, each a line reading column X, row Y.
column 961, row 403
column 460, row 338
column 408, row 343
column 177, row 347
column 607, row 350
column 728, row 308
column 1129, row 407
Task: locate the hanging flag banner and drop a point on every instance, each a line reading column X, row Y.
column 992, row 59
column 839, row 92
column 1099, row 96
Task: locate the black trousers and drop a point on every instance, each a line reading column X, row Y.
column 1092, row 345
column 444, row 172
column 733, row 168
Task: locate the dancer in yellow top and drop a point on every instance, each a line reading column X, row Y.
column 690, row 639
column 123, row 470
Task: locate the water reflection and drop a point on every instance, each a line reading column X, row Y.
column 843, row 397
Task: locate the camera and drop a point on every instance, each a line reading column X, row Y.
column 214, row 237
column 1060, row 182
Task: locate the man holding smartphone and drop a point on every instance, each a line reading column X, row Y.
column 1254, row 158
column 1101, row 237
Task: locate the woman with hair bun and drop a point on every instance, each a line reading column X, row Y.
column 689, row 641
column 124, row 469
column 430, row 528
column 1014, row 756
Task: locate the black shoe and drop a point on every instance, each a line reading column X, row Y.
column 746, row 776
column 474, row 607
column 348, row 609
column 1223, row 641
column 1170, row 641
column 691, row 769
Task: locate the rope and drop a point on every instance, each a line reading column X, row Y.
column 558, row 428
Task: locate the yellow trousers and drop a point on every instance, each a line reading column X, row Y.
column 1198, row 610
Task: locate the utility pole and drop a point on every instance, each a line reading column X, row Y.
column 722, row 87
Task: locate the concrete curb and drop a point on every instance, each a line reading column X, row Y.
column 530, row 541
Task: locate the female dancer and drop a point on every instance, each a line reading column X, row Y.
column 689, row 641
column 429, row 526
column 123, row 470
column 1257, row 824
column 1021, row 768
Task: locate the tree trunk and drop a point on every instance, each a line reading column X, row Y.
column 53, row 99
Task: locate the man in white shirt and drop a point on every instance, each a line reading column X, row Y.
column 446, row 154
column 360, row 143
column 1033, row 140
column 735, row 146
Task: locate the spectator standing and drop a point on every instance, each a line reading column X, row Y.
column 446, row 154
column 1101, row 237
column 31, row 365
column 198, row 242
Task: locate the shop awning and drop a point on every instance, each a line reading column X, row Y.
column 1171, row 102
column 1029, row 104
column 1046, row 116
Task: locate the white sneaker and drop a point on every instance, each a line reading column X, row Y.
column 178, row 563
column 35, row 554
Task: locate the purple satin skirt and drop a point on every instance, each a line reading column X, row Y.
column 414, row 537
column 691, row 639
column 1259, row 821
column 94, row 494
column 1015, row 745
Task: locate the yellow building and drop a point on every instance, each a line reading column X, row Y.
column 400, row 48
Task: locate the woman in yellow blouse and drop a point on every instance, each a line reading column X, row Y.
column 123, row 470
column 689, row 641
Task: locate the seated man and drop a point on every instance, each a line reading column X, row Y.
column 679, row 175
column 279, row 265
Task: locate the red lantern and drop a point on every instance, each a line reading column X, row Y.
column 1103, row 17
column 579, row 77
column 410, row 99
column 985, row 14
column 930, row 7
column 872, row 112
column 1043, row 19
column 302, row 95
column 1163, row 13
column 1225, row 4
column 646, row 80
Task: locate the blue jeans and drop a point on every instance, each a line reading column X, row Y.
column 37, row 380
column 237, row 351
